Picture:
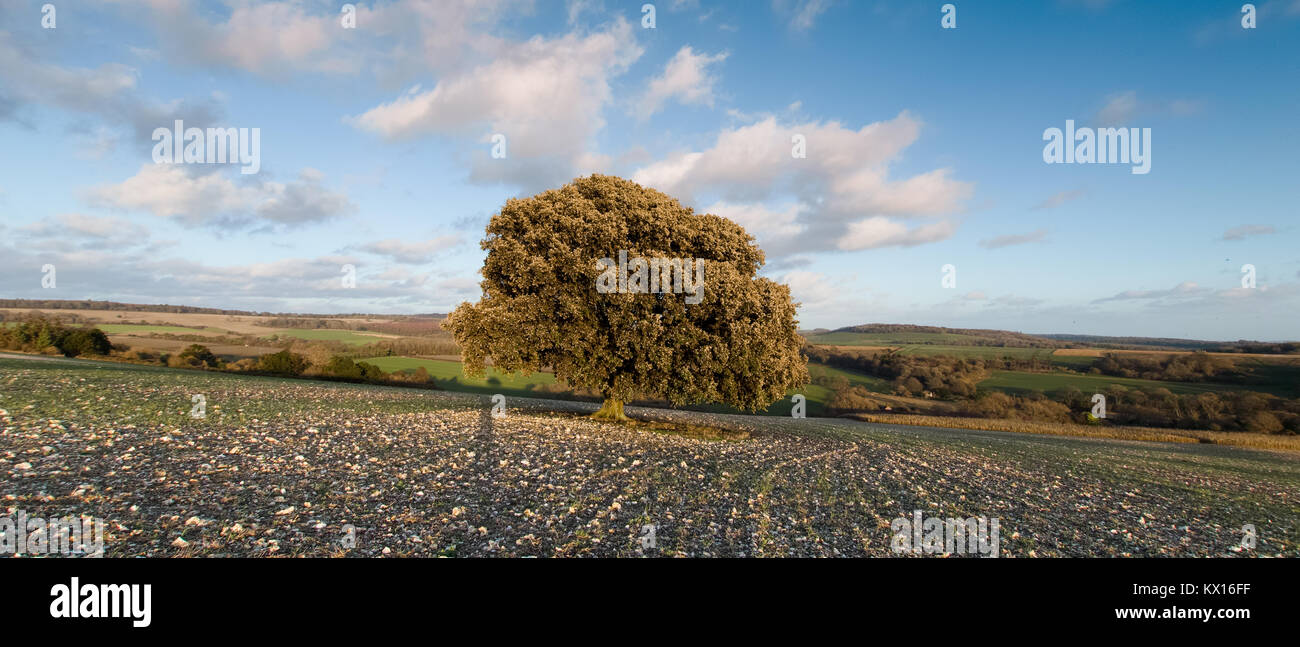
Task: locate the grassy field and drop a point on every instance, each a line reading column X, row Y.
column 1233, row 438
column 1280, row 383
column 886, row 339
column 870, row 382
column 349, row 337
column 449, row 375
column 1024, row 382
column 866, row 342
column 145, row 329
column 977, row 351
column 160, row 345
column 239, row 324
column 281, row 467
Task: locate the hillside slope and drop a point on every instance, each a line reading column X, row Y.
column 280, row 467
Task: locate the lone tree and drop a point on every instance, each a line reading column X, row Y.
column 554, row 296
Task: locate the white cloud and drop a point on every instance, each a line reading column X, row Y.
column 685, row 78
column 150, row 275
column 578, row 7
column 413, row 252
column 269, row 38
column 878, row 231
column 1014, row 239
column 759, row 220
column 1119, row 110
column 1059, row 199
column 848, row 199
column 545, row 95
column 80, row 231
column 193, row 199
column 108, row 91
column 809, row 288
column 803, row 13
column 1182, row 290
column 393, row 41
column 1238, row 233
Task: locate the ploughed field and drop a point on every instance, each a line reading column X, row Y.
column 281, row 467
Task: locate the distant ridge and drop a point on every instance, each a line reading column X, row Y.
column 90, row 304
column 978, row 334
column 905, row 334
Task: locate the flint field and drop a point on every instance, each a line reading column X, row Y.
column 284, row 467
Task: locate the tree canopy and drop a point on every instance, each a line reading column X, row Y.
column 541, row 307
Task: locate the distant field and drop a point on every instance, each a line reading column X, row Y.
column 146, row 329
column 1076, row 362
column 886, row 339
column 977, row 351
column 326, row 334
column 985, row 352
column 1024, row 382
column 157, row 345
column 870, row 382
column 1098, row 352
column 451, row 376
column 242, row 324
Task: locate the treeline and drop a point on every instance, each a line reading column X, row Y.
column 1222, row 411
column 1260, row 347
column 409, row 326
column 46, row 336
column 1192, row 367
column 977, row 336
column 955, row 380
column 939, row 376
column 66, row 304
column 88, row 304
column 407, row 347
column 412, row 327
column 1170, row 343
column 310, row 323
column 285, row 363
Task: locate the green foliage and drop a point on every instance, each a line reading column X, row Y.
column 915, row 375
column 199, row 355
column 344, row 367
column 84, row 342
column 1001, row 405
column 284, row 362
column 370, row 372
column 38, row 334
column 541, row 308
column 1191, row 367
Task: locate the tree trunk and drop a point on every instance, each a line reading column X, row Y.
column 611, row 410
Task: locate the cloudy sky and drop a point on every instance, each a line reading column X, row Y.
column 924, row 148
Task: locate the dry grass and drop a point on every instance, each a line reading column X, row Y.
column 1239, row 439
column 1098, row 352
column 159, row 345
column 670, row 426
column 240, row 324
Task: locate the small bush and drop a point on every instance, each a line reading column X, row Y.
column 283, row 363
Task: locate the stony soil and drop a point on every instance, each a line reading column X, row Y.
column 284, row 467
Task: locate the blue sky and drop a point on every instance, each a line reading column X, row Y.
column 924, row 148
